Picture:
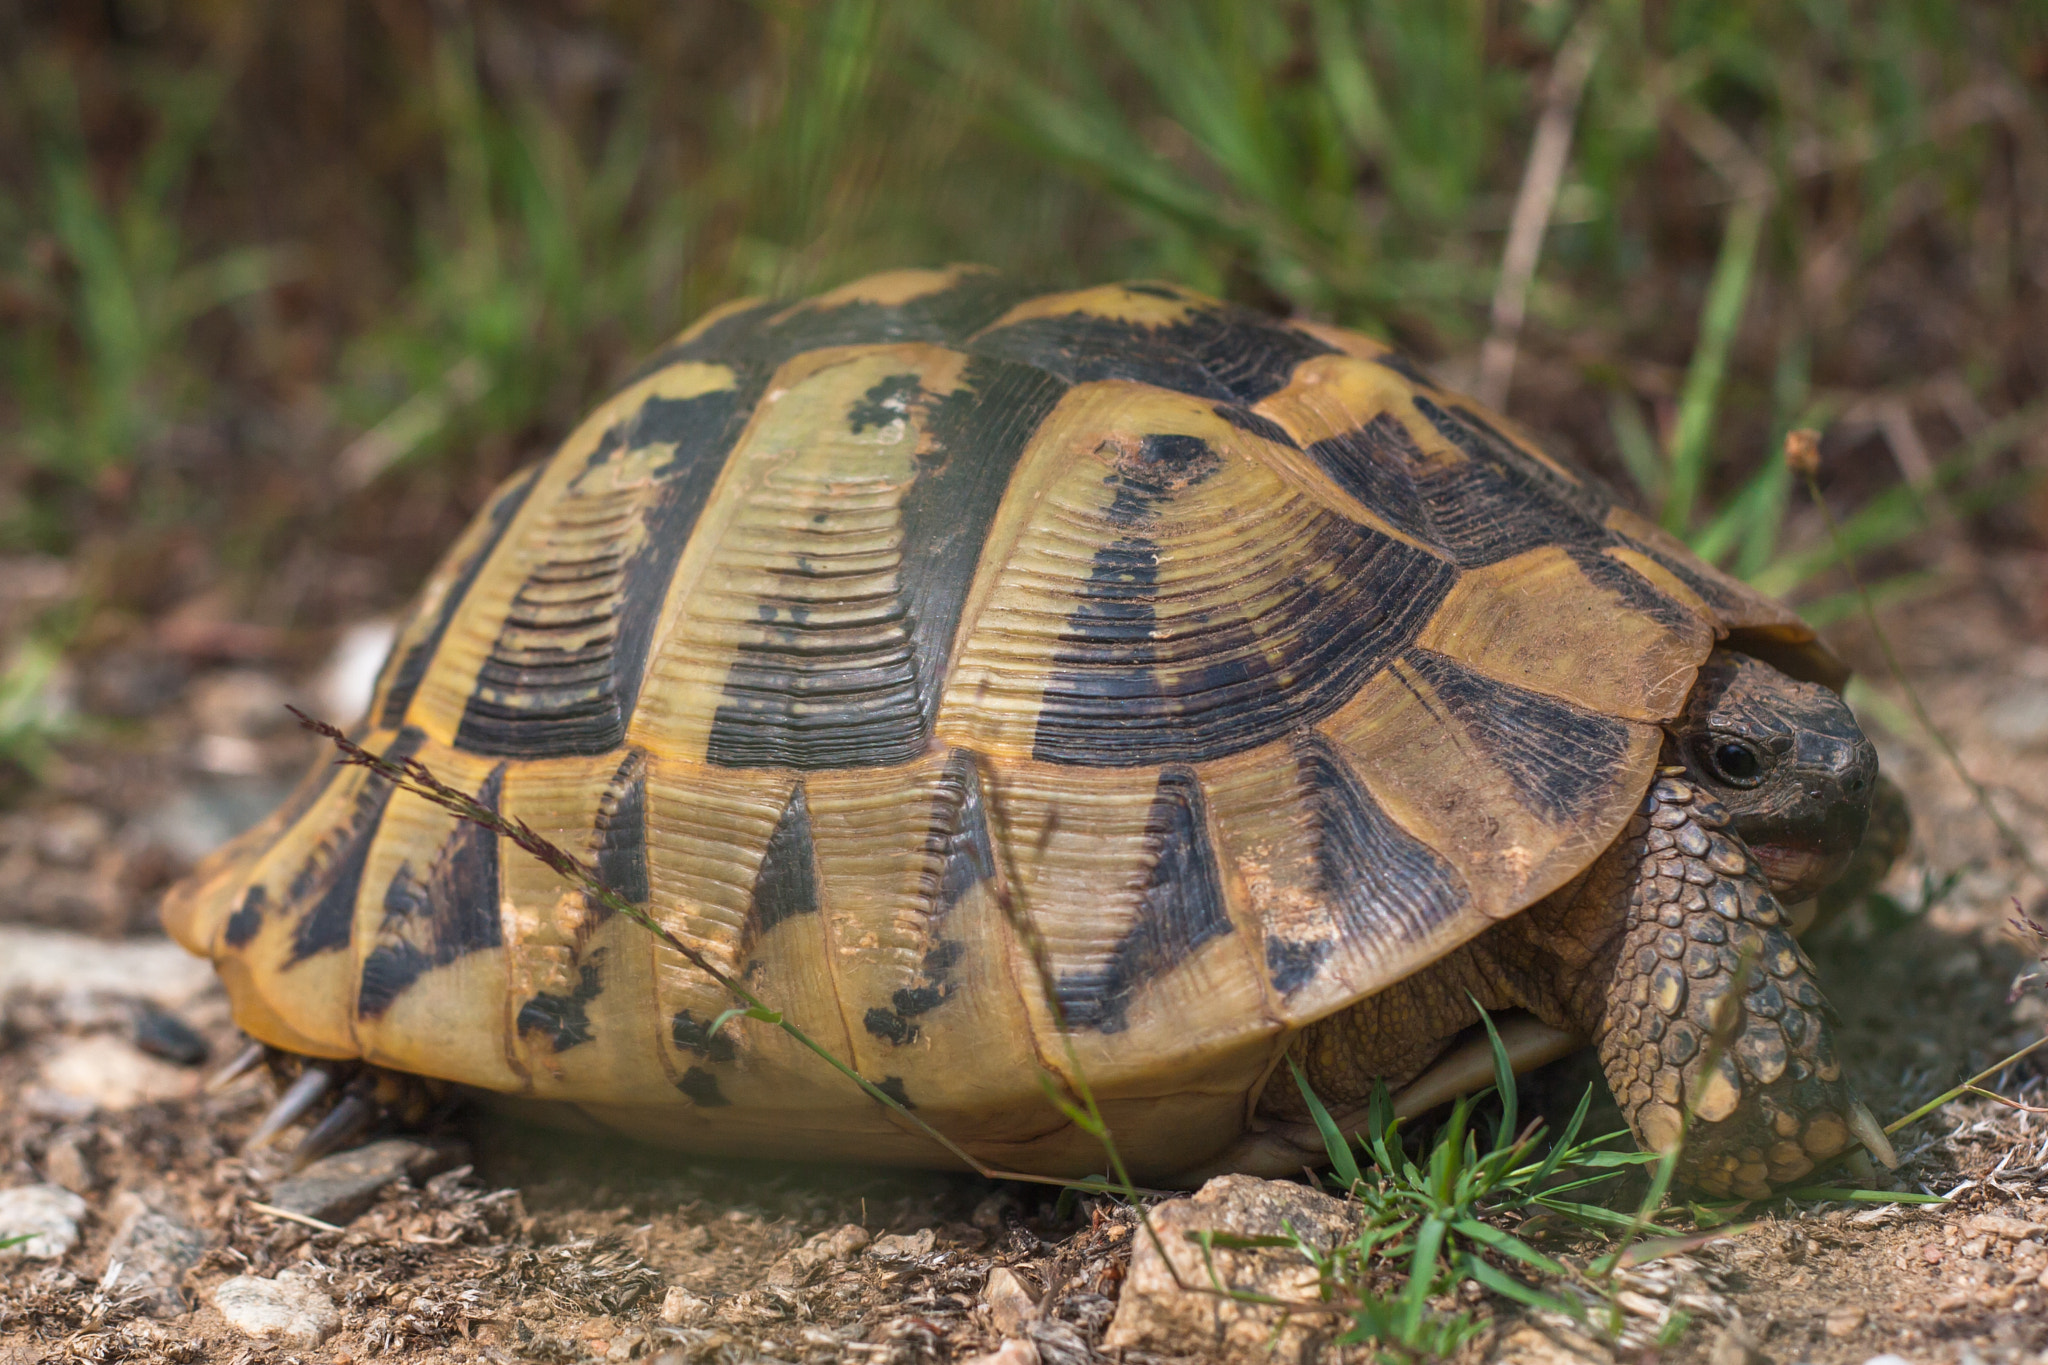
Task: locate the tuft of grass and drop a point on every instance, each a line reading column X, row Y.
column 101, row 367
column 1432, row 1223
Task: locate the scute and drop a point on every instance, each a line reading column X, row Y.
column 1116, row 679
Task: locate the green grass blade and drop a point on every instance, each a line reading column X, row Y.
column 1503, row 1078
column 1861, row 1196
column 1507, row 1245
column 1508, row 1287
column 1636, row 446
column 1335, row 1143
column 1699, row 400
column 1422, row 1270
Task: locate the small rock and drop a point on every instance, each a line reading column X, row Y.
column 630, row 1344
column 163, row 1034
column 847, row 1241
column 154, row 1249
column 288, row 1309
column 68, row 1162
column 1845, row 1322
column 1155, row 1314
column 1887, row 1359
column 1732, row 1346
column 336, row 1188
column 1998, row 1225
column 1931, row 1253
column 46, row 1214
column 797, row 1265
column 896, row 1246
column 1010, row 1301
column 1015, row 1351
column 681, row 1308
column 993, row 1213
column 69, row 835
column 41, row 962
column 1531, row 1345
column 110, row 1073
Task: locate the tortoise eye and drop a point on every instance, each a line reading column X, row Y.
column 1736, row 763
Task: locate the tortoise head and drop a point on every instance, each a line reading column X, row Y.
column 1788, row 761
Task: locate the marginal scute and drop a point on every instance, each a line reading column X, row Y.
column 1539, row 621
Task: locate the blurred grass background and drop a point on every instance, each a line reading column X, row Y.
column 285, row 288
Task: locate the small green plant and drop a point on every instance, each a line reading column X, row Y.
column 1435, row 1222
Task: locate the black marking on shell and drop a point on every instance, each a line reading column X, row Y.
column 892, row 1086
column 430, row 922
column 322, row 896
column 1379, row 881
column 889, row 1026
column 565, row 671
column 1704, row 586
column 407, row 671
column 1180, row 909
column 1372, row 463
column 754, row 344
column 565, row 1019
column 622, row 834
column 702, row 1088
column 389, row 971
column 1499, row 501
column 1220, row 352
column 960, row 841
column 1293, row 963
column 861, row 688
column 1126, row 695
column 248, row 917
column 1265, row 428
column 1560, row 757
column 786, row 884
column 694, row 1035
column 1636, row 592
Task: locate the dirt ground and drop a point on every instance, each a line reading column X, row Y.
column 531, row 1245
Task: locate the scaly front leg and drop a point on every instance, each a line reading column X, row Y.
column 1713, row 1010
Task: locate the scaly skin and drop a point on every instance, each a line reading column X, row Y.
column 1712, row 1008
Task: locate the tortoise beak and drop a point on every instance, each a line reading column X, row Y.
column 1798, row 871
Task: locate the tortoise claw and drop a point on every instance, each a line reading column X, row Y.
column 299, row 1097
column 1865, row 1126
column 340, row 1126
column 244, row 1062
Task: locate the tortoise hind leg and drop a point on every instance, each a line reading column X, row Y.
column 1712, row 1010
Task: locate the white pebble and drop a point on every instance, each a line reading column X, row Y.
column 288, row 1309
column 46, row 1214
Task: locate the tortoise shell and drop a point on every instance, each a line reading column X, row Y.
column 927, row 652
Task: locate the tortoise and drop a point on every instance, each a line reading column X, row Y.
column 1117, row 682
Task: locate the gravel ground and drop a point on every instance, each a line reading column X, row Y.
column 490, row 1239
